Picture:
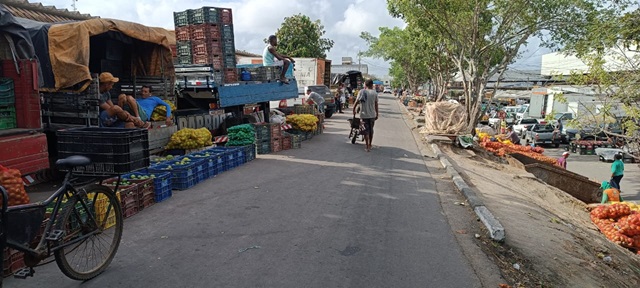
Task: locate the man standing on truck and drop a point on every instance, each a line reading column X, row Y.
column 112, row 115
column 315, row 98
column 270, row 53
column 368, row 101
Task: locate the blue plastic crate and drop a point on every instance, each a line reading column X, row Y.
column 210, row 159
column 165, row 194
column 182, row 176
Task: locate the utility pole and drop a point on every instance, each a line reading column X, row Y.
column 73, row 5
column 359, row 66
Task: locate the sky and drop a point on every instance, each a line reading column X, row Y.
column 255, row 20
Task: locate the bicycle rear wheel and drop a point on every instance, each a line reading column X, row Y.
column 90, row 245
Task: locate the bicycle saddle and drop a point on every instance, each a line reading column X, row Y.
column 73, row 161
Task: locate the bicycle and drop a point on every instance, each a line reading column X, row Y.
column 77, row 224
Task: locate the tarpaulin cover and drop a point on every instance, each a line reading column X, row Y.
column 444, row 118
column 63, row 49
column 69, row 49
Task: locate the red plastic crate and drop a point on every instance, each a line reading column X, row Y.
column 148, row 201
column 183, row 33
column 13, row 260
column 215, row 60
column 226, row 16
column 26, row 92
column 286, row 143
column 205, row 31
column 230, row 75
column 276, row 145
column 130, row 210
column 174, row 51
column 206, row 47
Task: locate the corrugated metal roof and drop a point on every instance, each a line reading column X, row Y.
column 41, row 13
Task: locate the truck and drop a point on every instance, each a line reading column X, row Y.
column 540, row 134
column 199, row 90
column 307, row 72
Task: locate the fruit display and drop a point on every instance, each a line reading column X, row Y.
column 160, row 112
column 502, row 149
column 303, row 122
column 162, row 159
column 619, row 223
column 188, row 138
column 11, row 180
column 241, row 135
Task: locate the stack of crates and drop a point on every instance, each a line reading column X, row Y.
column 205, row 36
column 263, row 138
column 7, row 104
column 276, row 137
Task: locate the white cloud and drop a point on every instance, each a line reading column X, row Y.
column 254, row 20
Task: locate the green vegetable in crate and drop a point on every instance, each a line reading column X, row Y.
column 188, row 138
column 160, row 112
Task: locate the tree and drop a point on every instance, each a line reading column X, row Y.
column 607, row 47
column 298, row 36
column 406, row 50
column 482, row 37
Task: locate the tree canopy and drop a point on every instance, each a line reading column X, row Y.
column 481, row 38
column 298, row 36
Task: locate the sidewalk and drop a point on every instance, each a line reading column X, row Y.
column 550, row 239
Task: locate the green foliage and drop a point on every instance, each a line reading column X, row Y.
column 298, row 36
column 481, row 38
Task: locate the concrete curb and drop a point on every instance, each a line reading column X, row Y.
column 496, row 230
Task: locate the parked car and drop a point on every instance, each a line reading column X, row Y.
column 593, row 132
column 522, row 125
column 387, row 90
column 329, row 100
column 542, row 134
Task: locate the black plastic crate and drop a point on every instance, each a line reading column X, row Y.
column 203, row 15
column 227, row 32
column 183, row 48
column 181, row 18
column 111, row 150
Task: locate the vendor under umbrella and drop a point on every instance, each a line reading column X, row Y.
column 610, row 194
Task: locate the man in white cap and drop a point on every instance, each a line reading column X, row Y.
column 562, row 161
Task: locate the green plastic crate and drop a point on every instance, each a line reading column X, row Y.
column 7, row 118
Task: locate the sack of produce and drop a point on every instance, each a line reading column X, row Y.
column 11, row 180
column 241, row 135
column 160, row 112
column 303, row 122
column 188, row 138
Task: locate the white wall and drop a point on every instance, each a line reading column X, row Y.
column 558, row 63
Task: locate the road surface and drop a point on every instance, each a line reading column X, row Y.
column 326, row 215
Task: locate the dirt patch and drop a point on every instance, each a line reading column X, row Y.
column 548, row 233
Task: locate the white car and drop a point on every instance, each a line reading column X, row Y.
column 521, row 125
column 387, row 90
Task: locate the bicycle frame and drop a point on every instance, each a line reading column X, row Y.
column 44, row 249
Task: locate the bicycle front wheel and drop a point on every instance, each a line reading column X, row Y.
column 88, row 246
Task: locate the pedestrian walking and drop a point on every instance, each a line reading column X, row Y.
column 617, row 171
column 562, row 161
column 340, row 97
column 367, row 100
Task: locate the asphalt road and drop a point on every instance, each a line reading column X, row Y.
column 589, row 166
column 326, row 215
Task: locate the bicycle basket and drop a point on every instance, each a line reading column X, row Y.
column 355, row 123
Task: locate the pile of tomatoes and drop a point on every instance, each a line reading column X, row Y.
column 501, row 149
column 618, row 223
column 11, row 180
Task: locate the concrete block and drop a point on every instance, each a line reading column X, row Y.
column 496, row 231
